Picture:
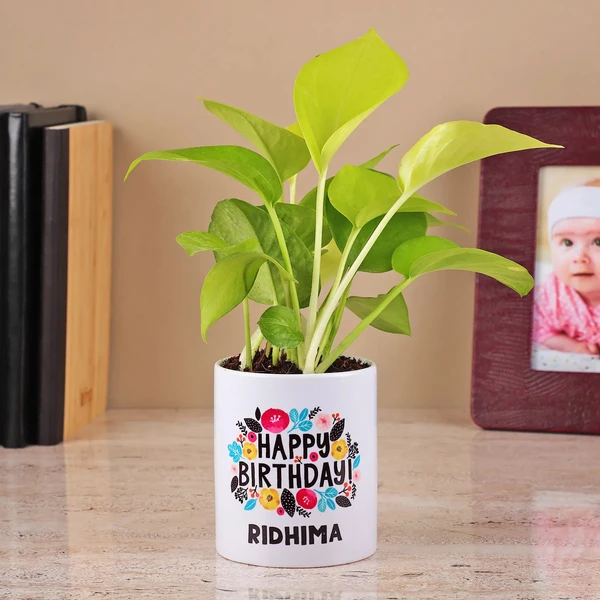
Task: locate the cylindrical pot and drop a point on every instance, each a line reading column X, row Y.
column 296, row 467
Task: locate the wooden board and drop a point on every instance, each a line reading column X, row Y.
column 88, row 278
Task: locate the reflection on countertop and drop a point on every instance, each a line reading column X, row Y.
column 125, row 510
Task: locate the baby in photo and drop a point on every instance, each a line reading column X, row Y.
column 567, row 303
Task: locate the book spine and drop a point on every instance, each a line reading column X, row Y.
column 54, row 268
column 14, row 226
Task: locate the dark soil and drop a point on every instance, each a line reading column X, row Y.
column 263, row 364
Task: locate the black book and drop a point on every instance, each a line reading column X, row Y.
column 21, row 213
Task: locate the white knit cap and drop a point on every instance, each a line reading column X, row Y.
column 574, row 202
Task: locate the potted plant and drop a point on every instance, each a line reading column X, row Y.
column 295, row 417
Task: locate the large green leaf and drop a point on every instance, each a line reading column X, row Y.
column 242, row 164
column 454, row 144
column 286, row 151
column 236, row 221
column 507, row 272
column 362, row 194
column 302, row 220
column 401, row 227
column 278, row 325
column 199, row 241
column 408, row 252
column 227, row 284
column 393, row 318
column 337, row 90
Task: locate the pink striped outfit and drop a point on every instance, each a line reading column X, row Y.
column 560, row 309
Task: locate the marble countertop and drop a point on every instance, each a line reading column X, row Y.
column 125, row 510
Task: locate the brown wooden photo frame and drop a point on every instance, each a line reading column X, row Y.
column 506, row 393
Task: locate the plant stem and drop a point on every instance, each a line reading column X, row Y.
column 293, row 189
column 316, row 274
column 349, row 339
column 328, row 311
column 288, row 265
column 249, row 354
column 276, row 353
column 334, row 288
column 257, row 339
column 337, row 321
column 326, row 336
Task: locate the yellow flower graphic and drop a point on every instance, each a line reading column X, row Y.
column 249, row 451
column 269, row 498
column 339, row 449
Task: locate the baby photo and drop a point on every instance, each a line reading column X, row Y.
column 566, row 316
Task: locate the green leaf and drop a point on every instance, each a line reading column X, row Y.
column 417, row 203
column 199, row 241
column 506, row 271
column 401, row 227
column 371, row 164
column 227, row 284
column 286, row 152
column 245, row 165
column 337, row 90
column 361, row 194
column 435, row 222
column 278, row 325
column 302, row 220
column 451, row 145
column 393, row 318
column 235, row 221
column 410, row 251
column 417, row 257
column 330, row 261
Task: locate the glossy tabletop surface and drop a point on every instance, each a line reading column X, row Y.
column 125, row 510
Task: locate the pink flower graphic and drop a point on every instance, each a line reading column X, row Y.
column 314, row 456
column 251, row 436
column 280, row 511
column 275, row 420
column 323, row 422
column 306, row 498
column 356, row 475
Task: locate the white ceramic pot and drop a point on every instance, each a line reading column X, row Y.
column 296, row 467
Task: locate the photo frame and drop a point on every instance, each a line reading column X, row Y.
column 506, row 391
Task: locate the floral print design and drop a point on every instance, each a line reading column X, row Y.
column 323, row 422
column 249, row 451
column 269, row 498
column 339, row 449
column 276, row 421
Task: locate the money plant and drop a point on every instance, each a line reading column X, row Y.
column 299, row 257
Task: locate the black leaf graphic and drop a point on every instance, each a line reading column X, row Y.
column 314, row 412
column 241, row 495
column 253, row 425
column 337, row 430
column 234, row 483
column 257, row 414
column 343, row 501
column 288, row 502
column 302, row 512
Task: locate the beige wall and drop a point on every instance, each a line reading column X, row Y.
column 141, row 64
